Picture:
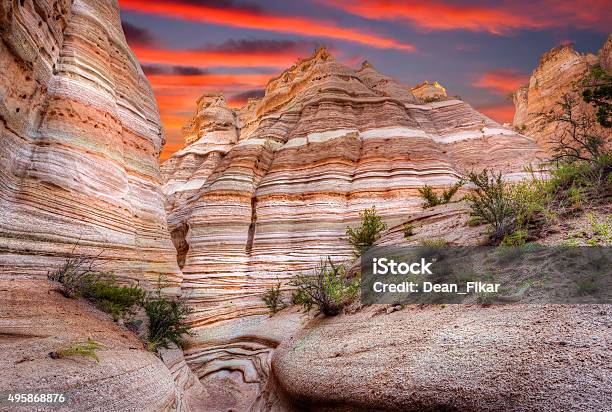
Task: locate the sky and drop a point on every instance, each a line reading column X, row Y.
column 478, row 50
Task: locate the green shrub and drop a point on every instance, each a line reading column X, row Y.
column 76, row 272
column 408, row 230
column 515, row 239
column 433, row 243
column 120, row 301
column 369, row 232
column 273, row 299
column 328, row 289
column 490, row 202
column 574, row 185
column 77, row 278
column 85, row 349
column 166, row 320
column 432, row 199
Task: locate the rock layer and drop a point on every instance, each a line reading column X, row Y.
column 80, row 137
column 324, row 143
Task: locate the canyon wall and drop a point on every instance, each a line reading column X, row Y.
column 559, row 72
column 269, row 189
column 81, row 136
column 263, row 192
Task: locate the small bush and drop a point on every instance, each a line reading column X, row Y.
column 432, row 199
column 433, row 243
column 408, row 229
column 166, row 320
column 119, row 301
column 77, row 278
column 491, row 203
column 85, row 349
column 369, row 232
column 75, row 274
column 328, row 289
column 515, row 239
column 273, row 299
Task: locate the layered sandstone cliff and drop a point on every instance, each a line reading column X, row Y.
column 269, row 189
column 559, row 72
column 81, row 136
column 262, row 192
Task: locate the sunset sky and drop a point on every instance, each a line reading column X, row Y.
column 476, row 50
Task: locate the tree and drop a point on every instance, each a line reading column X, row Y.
column 577, row 136
column 598, row 92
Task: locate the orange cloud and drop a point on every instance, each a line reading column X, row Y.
column 177, row 96
column 496, row 19
column 502, row 81
column 210, row 80
column 205, row 58
column 503, row 113
column 253, row 19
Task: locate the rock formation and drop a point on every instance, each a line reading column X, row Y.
column 559, row 72
column 81, row 137
column 429, row 91
column 458, row 357
column 262, row 192
column 270, row 189
column 127, row 376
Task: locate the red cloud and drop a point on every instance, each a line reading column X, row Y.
column 177, row 95
column 502, row 81
column 503, row 113
column 497, row 18
column 254, row 19
column 211, row 58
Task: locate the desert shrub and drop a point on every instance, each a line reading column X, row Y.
column 575, row 185
column 598, row 92
column 369, row 232
column 408, row 230
column 274, row 299
column 167, row 318
column 433, row 243
column 328, row 288
column 491, row 203
column 587, row 285
column 117, row 300
column 85, row 349
column 75, row 273
column 432, row 199
column 515, row 239
column 78, row 278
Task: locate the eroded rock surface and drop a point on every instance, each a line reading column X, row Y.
column 35, row 320
column 560, row 71
column 455, row 357
column 81, row 136
column 323, row 144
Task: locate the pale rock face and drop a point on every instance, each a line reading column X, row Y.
column 323, row 144
column 80, row 137
column 429, row 91
column 558, row 73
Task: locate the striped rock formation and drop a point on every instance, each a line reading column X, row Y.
column 559, row 72
column 81, row 136
column 269, row 190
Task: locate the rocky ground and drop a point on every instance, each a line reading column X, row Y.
column 458, row 357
